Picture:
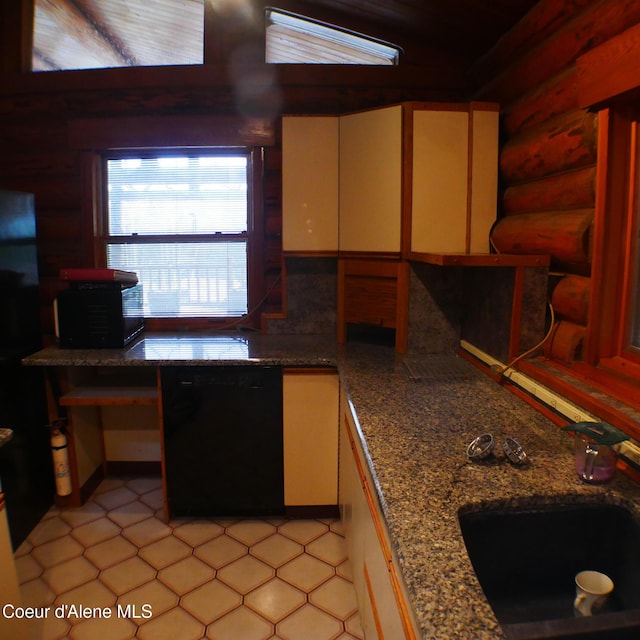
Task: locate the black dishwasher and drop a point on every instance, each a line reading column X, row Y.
column 223, row 440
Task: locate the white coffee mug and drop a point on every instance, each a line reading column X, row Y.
column 592, row 590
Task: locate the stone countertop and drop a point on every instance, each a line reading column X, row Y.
column 415, row 430
column 211, row 349
column 416, row 435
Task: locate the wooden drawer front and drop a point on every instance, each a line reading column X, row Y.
column 370, row 300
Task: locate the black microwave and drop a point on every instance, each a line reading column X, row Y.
column 99, row 315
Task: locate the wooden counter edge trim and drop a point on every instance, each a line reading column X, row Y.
column 405, row 615
column 481, row 259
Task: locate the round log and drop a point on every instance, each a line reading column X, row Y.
column 570, row 299
column 566, row 342
column 564, row 235
column 564, row 143
column 570, row 190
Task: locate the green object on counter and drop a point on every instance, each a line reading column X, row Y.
column 600, row 432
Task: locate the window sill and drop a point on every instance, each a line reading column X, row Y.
column 610, row 396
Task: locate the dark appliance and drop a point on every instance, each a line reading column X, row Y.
column 26, row 469
column 223, row 440
column 94, row 315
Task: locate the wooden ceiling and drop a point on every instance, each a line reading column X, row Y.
column 72, row 34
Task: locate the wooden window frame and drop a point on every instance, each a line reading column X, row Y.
column 95, row 198
column 607, row 380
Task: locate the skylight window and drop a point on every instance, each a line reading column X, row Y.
column 291, row 38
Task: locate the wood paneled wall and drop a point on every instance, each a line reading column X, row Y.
column 41, row 114
column 549, row 148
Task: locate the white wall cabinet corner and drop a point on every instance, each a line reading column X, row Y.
column 453, row 177
column 382, row 603
column 310, row 437
column 371, row 180
column 310, row 150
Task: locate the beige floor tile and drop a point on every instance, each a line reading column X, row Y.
column 110, row 552
column 276, row 550
column 245, row 574
column 250, row 531
column 91, row 594
column 303, row 531
column 176, row 624
column 115, row 498
column 198, row 532
column 344, row 570
column 36, row 593
column 329, row 547
column 57, row 551
column 275, row 600
column 309, row 623
column 152, row 594
column 220, row 551
column 127, row 575
column 109, row 484
column 146, row 532
column 164, row 552
column 336, row 597
column 154, row 499
column 211, row 601
column 241, row 624
column 24, row 549
column 95, row 532
column 129, row 514
column 27, row 568
column 51, row 628
column 186, row 575
column 47, row 530
column 115, row 628
column 70, row 574
column 306, row 572
column 81, row 515
column 144, row 485
column 354, row 626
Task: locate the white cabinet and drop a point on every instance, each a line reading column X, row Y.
column 454, row 178
column 310, row 183
column 414, row 178
column 310, row 437
column 384, row 613
column 371, row 180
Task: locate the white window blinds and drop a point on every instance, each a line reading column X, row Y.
column 180, row 223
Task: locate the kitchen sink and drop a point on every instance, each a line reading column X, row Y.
column 526, row 560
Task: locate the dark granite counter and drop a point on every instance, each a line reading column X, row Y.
column 235, row 348
column 415, row 431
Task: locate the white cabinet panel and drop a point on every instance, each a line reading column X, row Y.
column 371, row 180
column 310, row 183
column 440, row 176
column 310, row 423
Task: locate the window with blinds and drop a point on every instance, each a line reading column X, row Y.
column 292, row 38
column 181, row 223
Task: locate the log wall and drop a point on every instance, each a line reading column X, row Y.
column 549, row 151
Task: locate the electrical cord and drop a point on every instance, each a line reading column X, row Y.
column 502, row 369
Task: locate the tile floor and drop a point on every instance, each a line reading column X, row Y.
column 272, row 579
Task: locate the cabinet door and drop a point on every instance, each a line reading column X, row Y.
column 310, row 184
column 310, row 422
column 484, row 177
column 371, row 180
column 440, row 181
column 381, row 602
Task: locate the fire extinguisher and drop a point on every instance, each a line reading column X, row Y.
column 60, row 453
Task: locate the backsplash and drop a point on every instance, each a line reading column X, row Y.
column 446, row 304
